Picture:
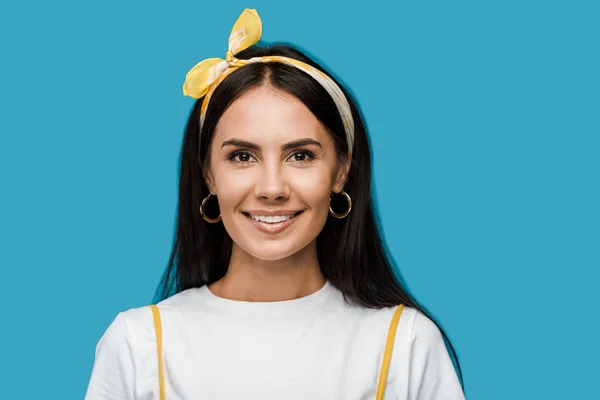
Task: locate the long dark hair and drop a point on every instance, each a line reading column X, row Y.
column 351, row 252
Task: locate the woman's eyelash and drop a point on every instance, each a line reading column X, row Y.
column 310, row 155
column 232, row 156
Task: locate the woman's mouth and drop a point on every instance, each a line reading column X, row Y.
column 271, row 222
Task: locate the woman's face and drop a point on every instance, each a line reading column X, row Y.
column 273, row 168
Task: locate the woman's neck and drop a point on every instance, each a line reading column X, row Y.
column 251, row 279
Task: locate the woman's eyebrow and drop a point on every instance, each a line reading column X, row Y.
column 287, row 146
column 299, row 143
column 240, row 143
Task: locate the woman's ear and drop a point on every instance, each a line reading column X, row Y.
column 341, row 177
column 210, row 182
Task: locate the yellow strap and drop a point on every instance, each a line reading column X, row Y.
column 389, row 345
column 387, row 355
column 158, row 329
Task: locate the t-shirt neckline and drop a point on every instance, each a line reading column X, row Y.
column 308, row 302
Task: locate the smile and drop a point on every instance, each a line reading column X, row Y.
column 271, row 219
column 271, row 222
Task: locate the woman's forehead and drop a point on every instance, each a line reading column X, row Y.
column 268, row 115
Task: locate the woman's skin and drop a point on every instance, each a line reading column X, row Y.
column 271, row 156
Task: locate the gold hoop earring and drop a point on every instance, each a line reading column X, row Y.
column 206, row 218
column 345, row 214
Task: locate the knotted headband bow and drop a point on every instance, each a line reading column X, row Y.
column 205, row 76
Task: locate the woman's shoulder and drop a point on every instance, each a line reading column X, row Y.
column 122, row 350
column 378, row 322
column 416, row 327
column 183, row 300
column 420, row 326
column 413, row 326
column 138, row 321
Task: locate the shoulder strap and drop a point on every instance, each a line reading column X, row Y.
column 387, row 355
column 389, row 345
column 158, row 329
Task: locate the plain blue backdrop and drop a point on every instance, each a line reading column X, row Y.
column 485, row 124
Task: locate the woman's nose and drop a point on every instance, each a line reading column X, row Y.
column 271, row 184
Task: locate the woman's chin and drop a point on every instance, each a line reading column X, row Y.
column 273, row 251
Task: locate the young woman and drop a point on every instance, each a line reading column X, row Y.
column 278, row 286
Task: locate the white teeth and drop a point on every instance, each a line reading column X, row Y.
column 271, row 219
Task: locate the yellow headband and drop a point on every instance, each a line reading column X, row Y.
column 205, row 76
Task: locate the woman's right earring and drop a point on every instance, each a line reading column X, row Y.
column 206, row 218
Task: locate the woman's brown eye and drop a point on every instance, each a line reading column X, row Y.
column 240, row 157
column 301, row 156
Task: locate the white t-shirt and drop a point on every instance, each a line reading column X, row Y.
column 314, row 347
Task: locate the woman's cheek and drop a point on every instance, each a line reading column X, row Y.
column 313, row 186
column 233, row 185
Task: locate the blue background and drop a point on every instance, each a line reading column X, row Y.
column 485, row 124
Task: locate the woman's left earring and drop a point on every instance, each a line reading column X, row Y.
column 345, row 213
